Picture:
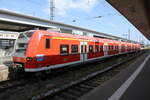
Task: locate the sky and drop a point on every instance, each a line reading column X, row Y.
column 84, row 12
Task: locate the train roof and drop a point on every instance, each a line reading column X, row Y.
column 67, row 35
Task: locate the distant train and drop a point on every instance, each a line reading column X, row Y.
column 41, row 50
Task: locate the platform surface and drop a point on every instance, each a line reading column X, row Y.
column 133, row 83
column 4, row 72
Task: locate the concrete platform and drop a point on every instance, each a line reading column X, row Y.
column 133, row 83
column 5, row 64
column 4, row 72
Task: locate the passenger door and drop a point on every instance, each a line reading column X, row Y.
column 105, row 49
column 83, row 51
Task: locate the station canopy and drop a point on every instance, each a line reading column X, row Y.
column 13, row 21
column 137, row 12
column 9, row 26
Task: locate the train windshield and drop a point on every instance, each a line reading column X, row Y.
column 22, row 43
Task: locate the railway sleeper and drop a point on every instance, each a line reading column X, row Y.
column 79, row 89
column 92, row 84
column 65, row 96
column 86, row 86
column 57, row 98
column 99, row 80
column 74, row 92
column 70, row 95
column 96, row 83
column 82, row 89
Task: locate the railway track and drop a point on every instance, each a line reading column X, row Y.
column 11, row 84
column 14, row 83
column 23, row 88
column 76, row 89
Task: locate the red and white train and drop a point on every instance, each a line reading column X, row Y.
column 41, row 50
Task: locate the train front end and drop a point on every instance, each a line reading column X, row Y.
column 19, row 57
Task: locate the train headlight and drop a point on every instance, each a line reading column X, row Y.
column 39, row 57
column 29, row 59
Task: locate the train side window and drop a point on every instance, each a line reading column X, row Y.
column 47, row 44
column 109, row 48
column 74, row 49
column 112, row 48
column 97, row 48
column 101, row 48
column 117, row 48
column 64, row 50
column 91, row 48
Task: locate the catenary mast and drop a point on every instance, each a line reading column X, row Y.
column 52, row 10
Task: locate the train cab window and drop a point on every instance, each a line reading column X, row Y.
column 101, row 48
column 74, row 49
column 91, row 48
column 64, row 50
column 97, row 48
column 47, row 45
